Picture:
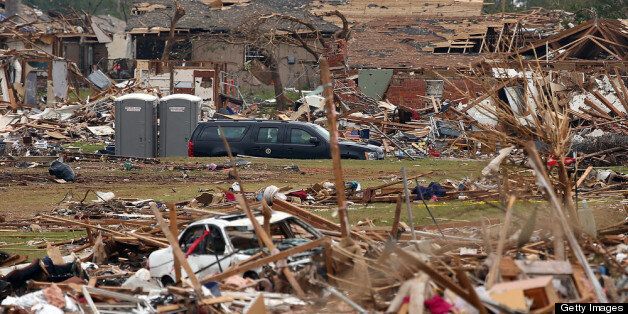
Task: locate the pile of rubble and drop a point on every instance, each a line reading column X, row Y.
column 269, row 251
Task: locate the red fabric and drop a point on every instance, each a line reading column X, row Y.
column 230, row 197
column 437, row 305
column 196, row 243
column 416, row 115
column 433, row 152
column 300, row 194
column 552, row 162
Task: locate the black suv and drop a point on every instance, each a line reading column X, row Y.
column 273, row 139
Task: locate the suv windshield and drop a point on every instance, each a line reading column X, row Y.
column 282, row 231
column 322, row 131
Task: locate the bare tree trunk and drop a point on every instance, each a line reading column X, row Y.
column 179, row 12
column 277, row 84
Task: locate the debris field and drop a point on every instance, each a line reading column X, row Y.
column 492, row 173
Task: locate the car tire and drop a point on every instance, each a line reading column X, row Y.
column 167, row 281
column 251, row 274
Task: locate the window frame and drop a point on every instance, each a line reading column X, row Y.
column 253, row 53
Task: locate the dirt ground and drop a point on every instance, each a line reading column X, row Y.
column 25, row 192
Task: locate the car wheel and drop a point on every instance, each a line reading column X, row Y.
column 250, row 274
column 167, row 281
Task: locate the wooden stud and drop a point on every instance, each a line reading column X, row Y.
column 176, row 250
column 172, row 217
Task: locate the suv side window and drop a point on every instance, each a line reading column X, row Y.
column 298, row 136
column 268, row 135
column 209, row 133
column 231, row 133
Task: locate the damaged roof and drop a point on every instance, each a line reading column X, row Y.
column 36, row 23
column 420, row 42
column 596, row 39
column 410, row 42
column 155, row 15
column 360, row 11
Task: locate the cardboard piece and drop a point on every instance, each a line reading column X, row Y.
column 540, row 290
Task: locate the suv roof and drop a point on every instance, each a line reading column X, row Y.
column 240, row 220
column 256, row 121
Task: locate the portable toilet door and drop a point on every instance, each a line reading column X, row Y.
column 178, row 117
column 136, row 125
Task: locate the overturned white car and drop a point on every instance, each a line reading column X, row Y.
column 212, row 245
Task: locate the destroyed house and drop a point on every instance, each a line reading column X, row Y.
column 76, row 37
column 234, row 33
column 597, row 43
column 418, row 61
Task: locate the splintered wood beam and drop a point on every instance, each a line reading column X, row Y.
column 490, row 93
column 608, row 104
column 542, row 179
column 584, row 176
column 321, row 222
column 385, row 185
column 328, row 93
column 620, row 89
column 466, row 284
column 142, row 238
column 266, row 260
column 176, row 250
column 175, row 231
column 595, row 107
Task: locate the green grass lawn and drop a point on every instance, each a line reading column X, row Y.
column 86, row 147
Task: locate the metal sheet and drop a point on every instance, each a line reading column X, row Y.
column 99, row 79
column 374, row 82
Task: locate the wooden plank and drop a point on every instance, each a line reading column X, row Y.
column 328, row 93
column 88, row 299
column 608, row 104
column 176, row 249
column 584, row 176
column 112, row 294
column 121, row 234
column 216, row 300
column 539, row 170
column 292, row 209
column 172, row 216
